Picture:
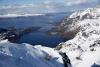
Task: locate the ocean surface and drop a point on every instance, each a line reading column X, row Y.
column 38, row 37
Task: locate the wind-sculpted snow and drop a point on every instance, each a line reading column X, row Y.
column 84, row 49
column 25, row 55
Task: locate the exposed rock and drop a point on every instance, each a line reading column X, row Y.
column 11, row 35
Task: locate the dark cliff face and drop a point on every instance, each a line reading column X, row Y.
column 69, row 28
column 65, row 28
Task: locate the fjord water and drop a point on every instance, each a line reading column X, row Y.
column 38, row 37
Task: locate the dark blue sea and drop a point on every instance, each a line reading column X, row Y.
column 38, row 37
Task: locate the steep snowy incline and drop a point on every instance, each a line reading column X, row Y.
column 84, row 49
column 69, row 28
column 25, row 55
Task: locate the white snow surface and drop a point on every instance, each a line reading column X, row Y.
column 26, row 55
column 84, row 49
column 93, row 12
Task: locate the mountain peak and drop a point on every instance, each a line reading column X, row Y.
column 87, row 14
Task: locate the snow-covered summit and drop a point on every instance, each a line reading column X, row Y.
column 25, row 55
column 88, row 13
column 83, row 49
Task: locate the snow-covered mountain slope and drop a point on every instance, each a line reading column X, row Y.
column 25, row 55
column 84, row 48
column 69, row 28
column 87, row 14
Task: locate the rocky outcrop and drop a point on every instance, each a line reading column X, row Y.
column 66, row 28
column 10, row 34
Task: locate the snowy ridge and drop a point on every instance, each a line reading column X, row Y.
column 83, row 49
column 89, row 13
column 25, row 55
column 19, row 15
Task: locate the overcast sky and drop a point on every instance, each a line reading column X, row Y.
column 49, row 5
